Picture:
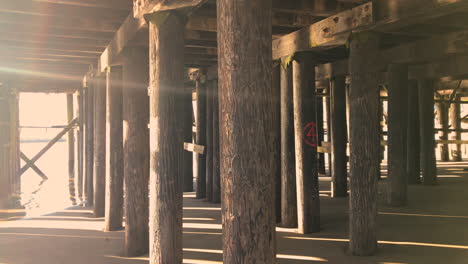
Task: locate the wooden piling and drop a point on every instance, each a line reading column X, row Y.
column 99, row 146
column 288, row 166
column 247, row 128
column 5, row 123
column 209, row 141
column 71, row 151
column 188, row 134
column 114, row 149
column 338, row 136
column 364, row 142
column 200, row 87
column 88, row 188
column 397, row 130
column 321, row 134
column 442, row 113
column 136, row 150
column 80, row 138
column 413, row 170
column 306, row 142
column 276, row 86
column 455, row 122
column 166, row 144
column 426, row 131
column 216, row 169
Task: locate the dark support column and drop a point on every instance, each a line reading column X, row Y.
column 80, row 134
column 200, row 87
column 397, row 129
column 455, row 121
column 306, row 142
column 426, row 130
column 364, row 142
column 321, row 134
column 71, row 151
column 188, row 156
column 99, row 146
column 89, row 147
column 442, row 112
column 276, row 86
column 136, row 150
column 166, row 136
column 248, row 131
column 5, row 159
column 413, row 140
column 327, row 109
column 288, row 166
column 338, row 137
column 216, row 170
column 209, row 141
column 114, row 147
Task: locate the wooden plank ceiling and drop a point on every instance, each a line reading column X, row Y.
column 59, row 40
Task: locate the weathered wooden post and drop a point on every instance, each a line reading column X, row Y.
column 15, row 149
column 5, row 123
column 327, row 109
column 321, row 132
column 166, row 89
column 99, row 145
column 71, row 151
column 247, row 128
column 188, row 134
column 364, row 142
column 276, row 85
column 80, row 137
column 216, row 169
column 114, row 148
column 413, row 170
column 338, row 136
column 201, row 87
column 288, row 166
column 443, row 115
column 397, row 129
column 209, row 141
column 455, row 121
column 136, row 150
column 306, row 142
column 88, row 188
column 426, row 131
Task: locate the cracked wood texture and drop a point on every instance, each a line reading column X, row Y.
column 88, row 189
column 216, row 172
column 305, row 139
column 288, row 165
column 248, row 132
column 99, row 146
column 426, row 131
column 166, row 138
column 276, row 86
column 338, row 136
column 114, row 159
column 136, row 150
column 397, row 130
column 364, row 142
column 413, row 165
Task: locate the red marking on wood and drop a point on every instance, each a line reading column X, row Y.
column 310, row 134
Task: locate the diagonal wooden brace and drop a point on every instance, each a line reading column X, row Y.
column 33, row 166
column 49, row 145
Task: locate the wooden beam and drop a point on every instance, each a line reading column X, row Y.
column 71, row 150
column 99, row 146
column 325, row 33
column 143, row 7
column 124, row 35
column 108, row 4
